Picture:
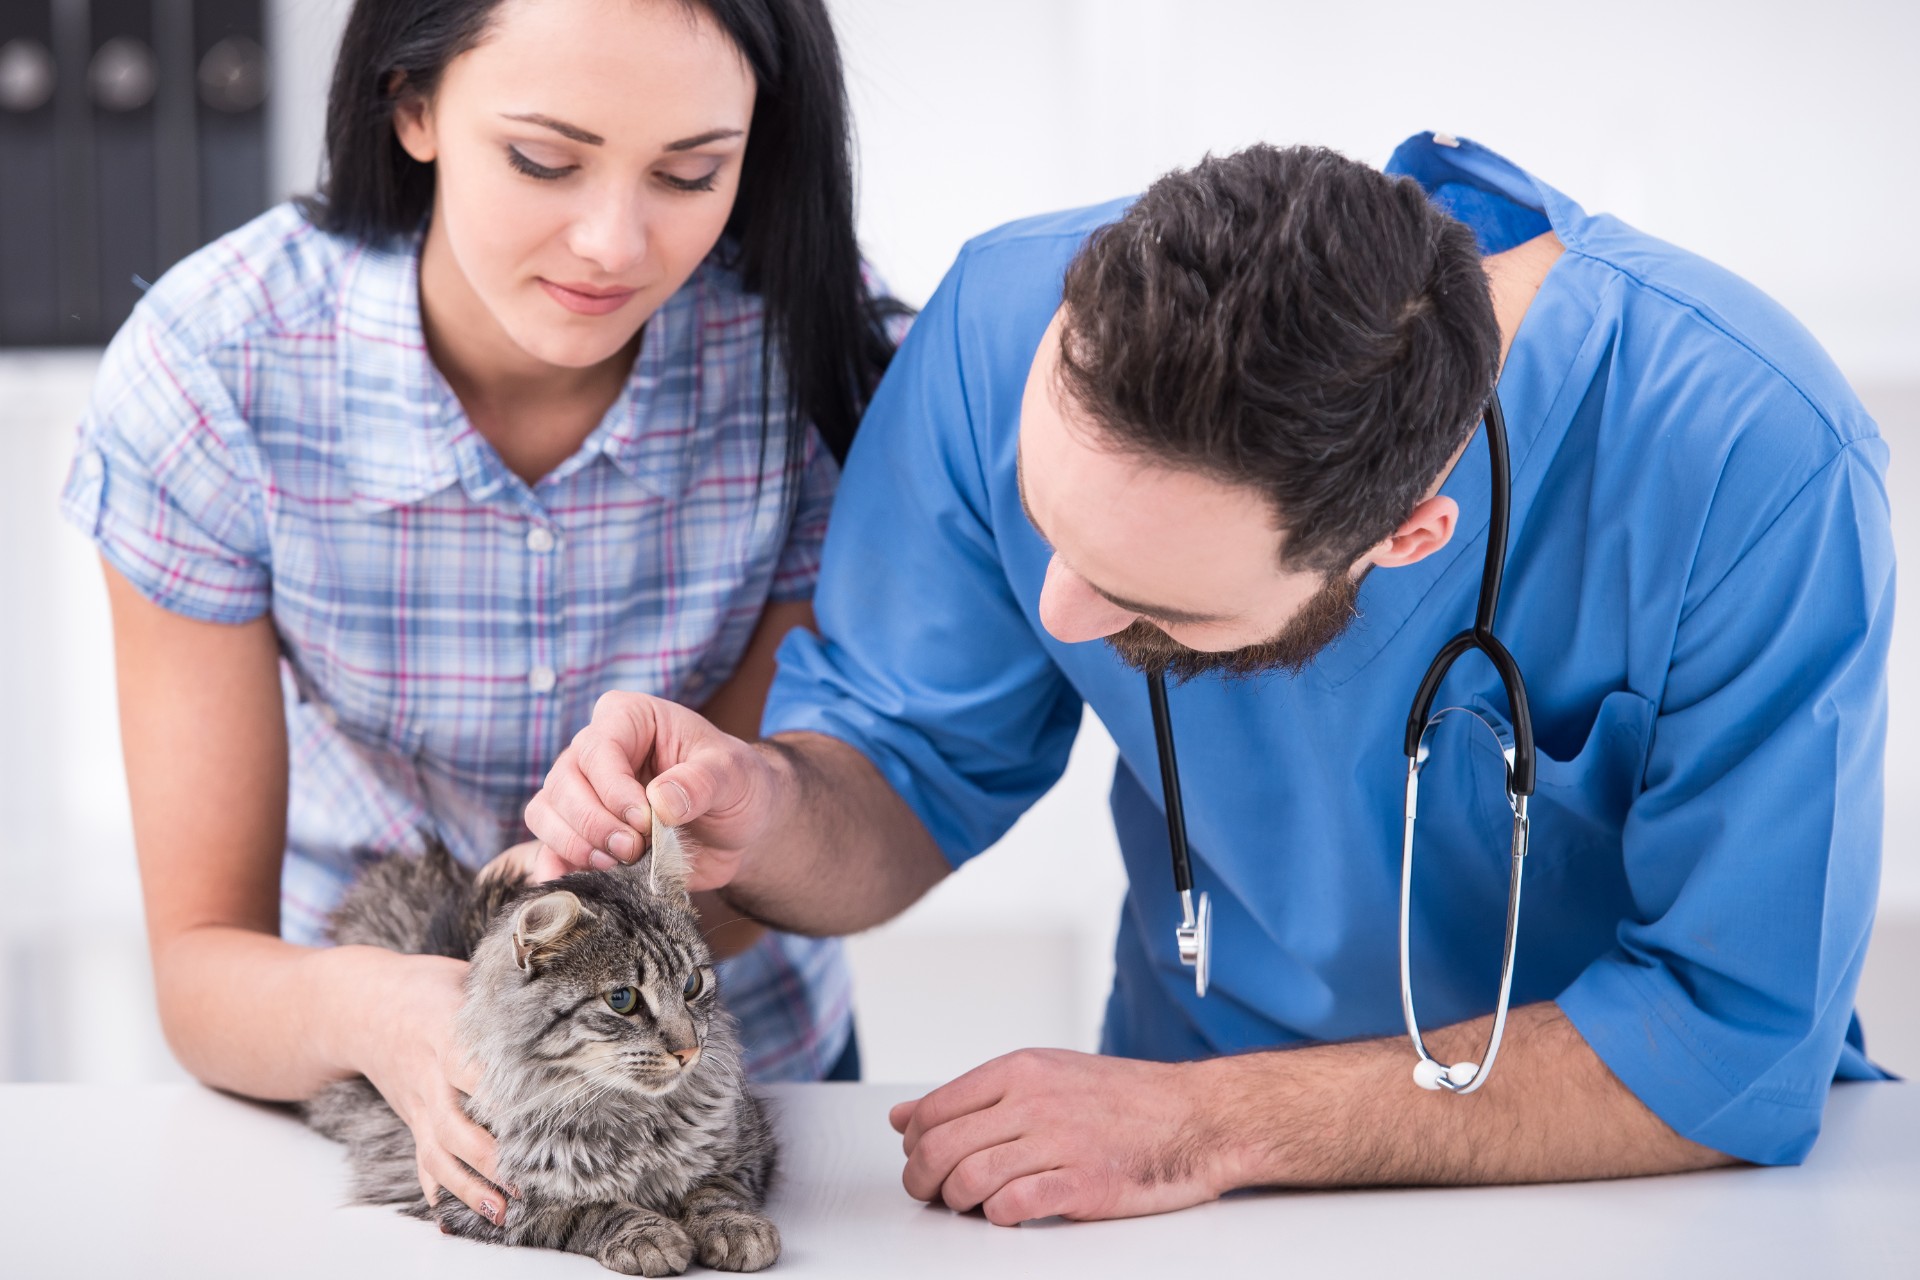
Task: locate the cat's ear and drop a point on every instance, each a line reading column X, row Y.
column 668, row 863
column 541, row 923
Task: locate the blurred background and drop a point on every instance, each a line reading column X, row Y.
column 1773, row 137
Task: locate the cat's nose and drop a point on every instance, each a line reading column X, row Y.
column 687, row 1056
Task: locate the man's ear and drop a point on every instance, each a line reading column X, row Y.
column 541, row 923
column 1429, row 528
column 412, row 120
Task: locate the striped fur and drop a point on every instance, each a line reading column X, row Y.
column 618, row 1150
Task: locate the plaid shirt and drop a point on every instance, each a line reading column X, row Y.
column 269, row 434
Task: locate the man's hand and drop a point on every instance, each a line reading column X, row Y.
column 528, row 862
column 1046, row 1131
column 638, row 755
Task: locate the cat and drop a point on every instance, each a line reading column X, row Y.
column 612, row 1077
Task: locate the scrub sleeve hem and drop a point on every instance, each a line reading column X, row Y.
column 1641, row 1037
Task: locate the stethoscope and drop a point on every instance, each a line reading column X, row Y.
column 1194, row 935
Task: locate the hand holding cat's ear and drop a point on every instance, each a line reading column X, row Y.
column 668, row 862
column 594, row 801
column 541, row 923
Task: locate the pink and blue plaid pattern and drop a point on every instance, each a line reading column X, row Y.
column 269, row 434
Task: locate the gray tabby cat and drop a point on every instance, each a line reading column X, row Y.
column 612, row 1076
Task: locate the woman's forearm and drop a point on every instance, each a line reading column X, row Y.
column 247, row 1012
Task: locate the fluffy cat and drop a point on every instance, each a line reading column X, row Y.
column 613, row 1080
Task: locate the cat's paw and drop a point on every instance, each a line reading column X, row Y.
column 735, row 1240
column 648, row 1245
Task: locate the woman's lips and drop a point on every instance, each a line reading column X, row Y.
column 585, row 301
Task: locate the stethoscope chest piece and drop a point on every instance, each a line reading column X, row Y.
column 1194, row 935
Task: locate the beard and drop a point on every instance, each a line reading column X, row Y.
column 1321, row 621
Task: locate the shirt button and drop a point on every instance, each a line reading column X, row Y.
column 541, row 679
column 540, row 540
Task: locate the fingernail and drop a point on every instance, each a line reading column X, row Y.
column 514, row 1191
column 601, row 862
column 675, row 807
column 622, row 846
column 636, row 819
column 490, row 1211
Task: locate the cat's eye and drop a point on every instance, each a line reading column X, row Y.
column 623, row 1000
column 696, row 983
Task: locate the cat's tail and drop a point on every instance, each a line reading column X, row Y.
column 398, row 901
column 379, row 1145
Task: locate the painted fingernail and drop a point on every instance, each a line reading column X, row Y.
column 622, row 846
column 490, row 1212
column 513, row 1191
column 601, row 862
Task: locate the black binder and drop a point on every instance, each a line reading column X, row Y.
column 231, row 78
column 29, row 204
column 123, row 78
column 131, row 133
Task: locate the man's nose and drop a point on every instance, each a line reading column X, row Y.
column 1072, row 611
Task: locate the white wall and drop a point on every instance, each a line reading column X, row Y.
column 1773, row 137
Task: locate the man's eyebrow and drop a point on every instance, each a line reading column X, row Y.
column 1178, row 616
column 560, row 127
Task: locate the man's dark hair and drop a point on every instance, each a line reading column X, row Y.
column 1292, row 320
column 791, row 234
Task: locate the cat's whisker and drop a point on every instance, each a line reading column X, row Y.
column 518, row 1105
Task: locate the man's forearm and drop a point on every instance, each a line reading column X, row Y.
column 843, row 853
column 1351, row 1115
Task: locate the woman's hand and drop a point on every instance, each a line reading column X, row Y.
column 412, row 1056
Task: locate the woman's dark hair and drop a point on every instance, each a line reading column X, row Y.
column 1292, row 320
column 791, row 234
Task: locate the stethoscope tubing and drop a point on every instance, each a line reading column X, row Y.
column 1194, row 935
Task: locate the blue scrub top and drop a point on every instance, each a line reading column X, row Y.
column 1699, row 592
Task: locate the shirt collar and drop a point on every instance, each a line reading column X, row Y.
column 649, row 431
column 405, row 435
column 1438, row 161
column 398, row 416
column 1543, row 359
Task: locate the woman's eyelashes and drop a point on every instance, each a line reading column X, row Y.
column 533, row 170
column 547, row 173
column 702, row 183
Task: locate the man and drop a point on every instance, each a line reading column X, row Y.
column 1236, row 445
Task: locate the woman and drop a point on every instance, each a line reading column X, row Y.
column 539, row 398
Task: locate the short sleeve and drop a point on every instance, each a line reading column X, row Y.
column 799, row 565
column 925, row 661
column 165, row 481
column 1753, row 850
